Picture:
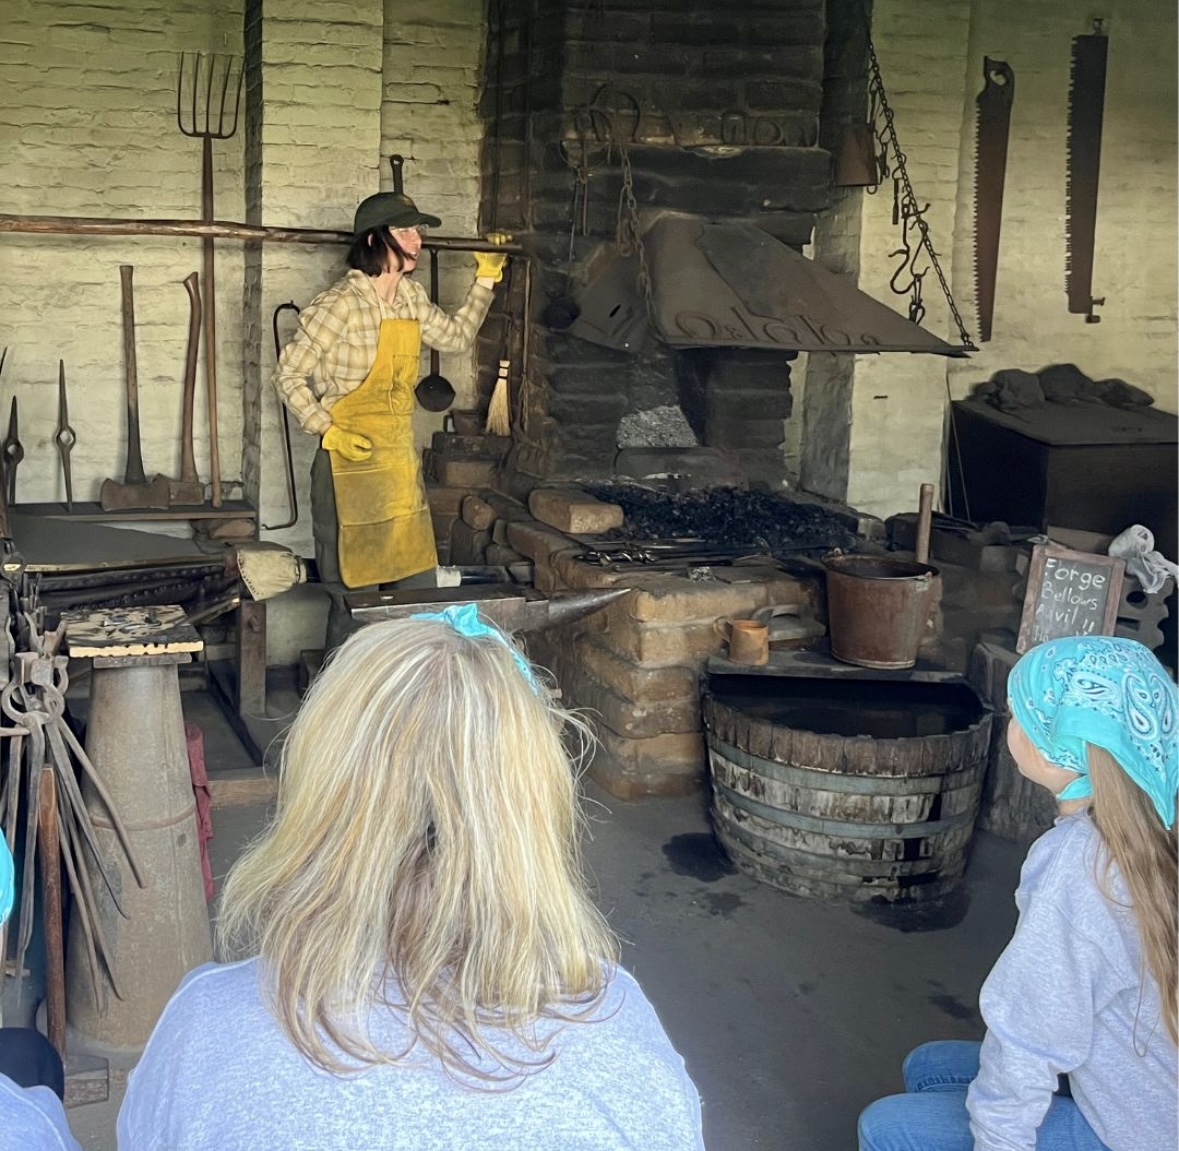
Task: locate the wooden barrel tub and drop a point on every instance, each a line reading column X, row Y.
column 846, row 790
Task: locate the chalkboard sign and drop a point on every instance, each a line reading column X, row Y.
column 1069, row 593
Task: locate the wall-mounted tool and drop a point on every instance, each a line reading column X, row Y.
column 13, row 451
column 1086, row 112
column 3, row 468
column 188, row 489
column 208, row 97
column 990, row 173
column 288, row 458
column 136, row 491
column 64, row 437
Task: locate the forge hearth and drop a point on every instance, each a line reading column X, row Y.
column 718, row 115
column 664, row 169
column 743, row 521
column 636, row 666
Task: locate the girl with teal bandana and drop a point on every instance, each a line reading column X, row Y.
column 1081, row 1012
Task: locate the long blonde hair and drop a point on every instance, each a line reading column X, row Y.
column 1147, row 858
column 427, row 829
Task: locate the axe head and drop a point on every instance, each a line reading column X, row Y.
column 118, row 497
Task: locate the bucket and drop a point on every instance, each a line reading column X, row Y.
column 877, row 608
column 873, row 795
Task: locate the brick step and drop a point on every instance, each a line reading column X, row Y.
column 470, row 447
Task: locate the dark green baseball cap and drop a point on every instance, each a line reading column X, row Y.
column 390, row 210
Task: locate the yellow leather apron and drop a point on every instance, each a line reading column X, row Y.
column 385, row 532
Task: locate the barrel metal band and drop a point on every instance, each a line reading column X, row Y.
column 838, row 827
column 823, row 867
column 831, row 781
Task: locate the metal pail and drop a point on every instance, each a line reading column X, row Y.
column 877, row 608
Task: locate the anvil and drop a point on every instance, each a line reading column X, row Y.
column 511, row 607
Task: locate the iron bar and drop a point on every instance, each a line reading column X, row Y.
column 222, row 230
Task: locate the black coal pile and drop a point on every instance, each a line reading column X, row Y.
column 728, row 517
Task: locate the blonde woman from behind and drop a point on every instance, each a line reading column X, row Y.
column 429, row 970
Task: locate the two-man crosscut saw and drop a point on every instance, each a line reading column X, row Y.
column 1086, row 108
column 990, row 172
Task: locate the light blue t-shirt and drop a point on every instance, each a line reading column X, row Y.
column 1066, row 997
column 218, row 1072
column 32, row 1119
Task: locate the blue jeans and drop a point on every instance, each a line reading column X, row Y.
column 29, row 1060
column 931, row 1115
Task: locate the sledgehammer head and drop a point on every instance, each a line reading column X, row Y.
column 117, row 497
column 185, row 493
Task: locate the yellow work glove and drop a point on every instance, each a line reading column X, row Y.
column 348, row 444
column 490, row 265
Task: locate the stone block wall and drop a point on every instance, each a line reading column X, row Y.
column 633, row 668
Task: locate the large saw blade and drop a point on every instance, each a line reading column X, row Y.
column 1086, row 109
column 990, row 173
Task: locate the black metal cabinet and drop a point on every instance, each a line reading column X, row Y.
column 1087, row 466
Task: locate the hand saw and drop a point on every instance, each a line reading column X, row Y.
column 1086, row 106
column 990, row 173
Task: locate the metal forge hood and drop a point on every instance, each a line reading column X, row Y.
column 733, row 285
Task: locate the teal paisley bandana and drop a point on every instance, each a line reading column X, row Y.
column 1105, row 691
column 464, row 618
column 7, row 884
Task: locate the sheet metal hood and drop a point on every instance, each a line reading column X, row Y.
column 733, row 285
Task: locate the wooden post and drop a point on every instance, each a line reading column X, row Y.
column 924, row 523
column 251, row 659
column 49, row 851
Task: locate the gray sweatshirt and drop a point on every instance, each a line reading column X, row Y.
column 1066, row 997
column 32, row 1119
column 219, row 1073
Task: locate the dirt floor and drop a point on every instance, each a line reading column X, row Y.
column 790, row 1014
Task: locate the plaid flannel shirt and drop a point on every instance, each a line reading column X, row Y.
column 336, row 343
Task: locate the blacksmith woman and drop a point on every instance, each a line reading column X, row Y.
column 348, row 376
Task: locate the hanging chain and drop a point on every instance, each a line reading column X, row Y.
column 628, row 235
column 907, row 212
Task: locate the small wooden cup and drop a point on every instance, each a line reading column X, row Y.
column 748, row 640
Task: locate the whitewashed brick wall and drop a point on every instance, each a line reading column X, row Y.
column 396, row 77
column 433, row 72
column 88, row 127
column 931, row 56
column 317, row 157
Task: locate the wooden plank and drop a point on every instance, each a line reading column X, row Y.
column 87, row 1080
column 244, row 787
column 229, row 510
column 251, row 658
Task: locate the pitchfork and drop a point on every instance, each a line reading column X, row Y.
column 205, row 110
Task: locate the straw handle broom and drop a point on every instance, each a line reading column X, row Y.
column 499, row 420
